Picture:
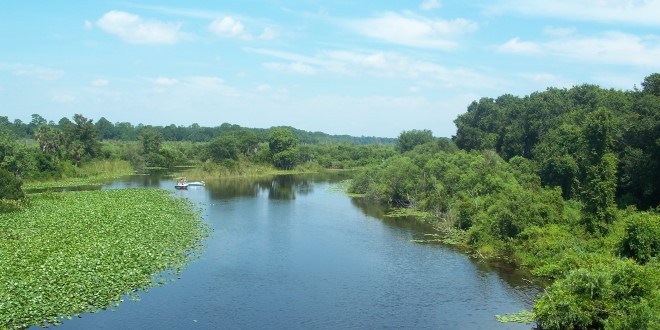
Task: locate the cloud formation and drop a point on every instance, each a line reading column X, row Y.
column 634, row 12
column 430, row 4
column 228, row 27
column 414, row 31
column 608, row 48
column 133, row 29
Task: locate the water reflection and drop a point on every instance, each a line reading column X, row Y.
column 288, row 252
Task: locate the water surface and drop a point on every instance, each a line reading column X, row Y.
column 291, row 253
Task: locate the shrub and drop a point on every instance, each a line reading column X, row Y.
column 10, row 186
column 614, row 294
column 641, row 240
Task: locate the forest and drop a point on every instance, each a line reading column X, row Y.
column 561, row 182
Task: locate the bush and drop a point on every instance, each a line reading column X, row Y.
column 615, row 294
column 641, row 240
column 10, row 186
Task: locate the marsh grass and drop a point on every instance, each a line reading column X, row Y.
column 93, row 173
column 210, row 171
column 75, row 252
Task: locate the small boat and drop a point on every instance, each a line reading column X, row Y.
column 197, row 183
column 181, row 186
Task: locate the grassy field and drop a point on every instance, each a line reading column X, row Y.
column 75, row 252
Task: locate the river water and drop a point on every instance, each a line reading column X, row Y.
column 291, row 252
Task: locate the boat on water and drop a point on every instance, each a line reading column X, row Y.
column 181, row 186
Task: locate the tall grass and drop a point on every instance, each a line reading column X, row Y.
column 92, row 173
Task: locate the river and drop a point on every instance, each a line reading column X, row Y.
column 291, row 252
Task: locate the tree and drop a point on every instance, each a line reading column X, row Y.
column 283, row 148
column 223, row 148
column 600, row 172
column 50, row 139
column 408, row 140
column 651, row 84
column 10, row 186
column 82, row 138
column 151, row 141
column 641, row 240
column 106, row 129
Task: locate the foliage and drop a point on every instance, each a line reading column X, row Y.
column 524, row 316
column 613, row 295
column 408, row 140
column 75, row 252
column 562, row 130
column 283, row 148
column 641, row 240
column 10, row 186
column 222, row 148
column 89, row 174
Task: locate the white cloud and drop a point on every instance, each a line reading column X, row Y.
column 375, row 64
column 228, row 27
column 33, row 71
column 608, row 48
column 100, row 83
column 413, row 31
column 516, row 46
column 133, row 29
column 430, row 4
column 633, row 12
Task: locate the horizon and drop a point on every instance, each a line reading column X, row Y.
column 342, row 68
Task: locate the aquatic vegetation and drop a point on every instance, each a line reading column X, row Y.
column 75, row 252
column 524, row 316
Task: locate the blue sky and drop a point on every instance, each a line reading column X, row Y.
column 340, row 67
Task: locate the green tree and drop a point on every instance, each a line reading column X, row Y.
column 106, row 129
column 10, row 186
column 599, row 187
column 151, row 140
column 50, row 139
column 651, row 84
column 641, row 240
column 408, row 140
column 82, row 138
column 223, row 148
column 283, row 148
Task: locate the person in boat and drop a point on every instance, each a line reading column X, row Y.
column 181, row 182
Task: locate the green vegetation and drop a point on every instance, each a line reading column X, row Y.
column 551, row 182
column 75, row 252
column 564, row 183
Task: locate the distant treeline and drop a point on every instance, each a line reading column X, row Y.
column 125, row 131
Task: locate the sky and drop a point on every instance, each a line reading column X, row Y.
column 363, row 68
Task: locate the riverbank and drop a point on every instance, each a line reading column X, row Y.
column 89, row 174
column 70, row 253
